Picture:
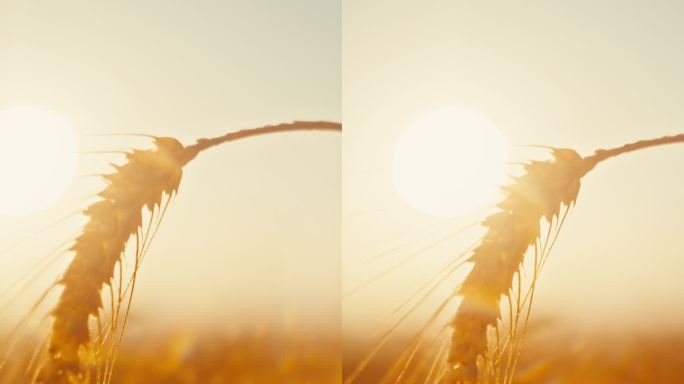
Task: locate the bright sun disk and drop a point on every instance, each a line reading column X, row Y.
column 38, row 156
column 450, row 161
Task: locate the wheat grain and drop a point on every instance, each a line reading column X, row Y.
column 537, row 196
column 141, row 183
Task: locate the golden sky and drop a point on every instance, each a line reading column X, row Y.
column 263, row 216
column 580, row 74
column 255, row 230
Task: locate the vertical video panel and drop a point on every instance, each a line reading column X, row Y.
column 170, row 192
column 512, row 192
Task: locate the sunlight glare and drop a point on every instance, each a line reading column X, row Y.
column 450, row 161
column 38, row 157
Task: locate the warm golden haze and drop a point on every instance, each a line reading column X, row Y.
column 248, row 251
column 341, row 192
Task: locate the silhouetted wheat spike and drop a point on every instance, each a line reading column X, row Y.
column 539, row 194
column 140, row 183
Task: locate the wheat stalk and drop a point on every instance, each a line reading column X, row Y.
column 142, row 182
column 539, row 195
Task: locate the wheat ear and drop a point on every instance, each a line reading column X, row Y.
column 142, row 182
column 538, row 195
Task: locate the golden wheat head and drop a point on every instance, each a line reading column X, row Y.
column 141, row 183
column 535, row 197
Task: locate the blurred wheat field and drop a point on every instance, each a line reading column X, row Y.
column 186, row 356
column 556, row 352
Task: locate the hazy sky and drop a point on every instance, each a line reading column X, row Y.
column 579, row 74
column 256, row 227
column 254, row 232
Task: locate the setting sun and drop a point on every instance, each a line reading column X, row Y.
column 37, row 159
column 450, row 161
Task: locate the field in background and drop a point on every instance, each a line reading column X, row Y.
column 206, row 356
column 558, row 353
